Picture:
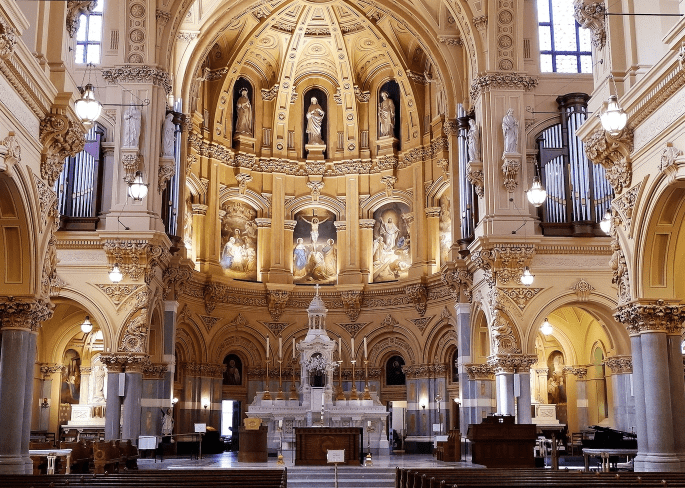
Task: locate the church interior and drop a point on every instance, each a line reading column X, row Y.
column 402, row 216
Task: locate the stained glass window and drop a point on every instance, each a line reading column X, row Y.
column 564, row 46
column 89, row 36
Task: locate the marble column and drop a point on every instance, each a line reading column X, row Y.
column 656, row 373
column 677, row 387
column 131, row 411
column 580, row 372
column 19, row 321
column 482, row 392
column 523, row 413
column 621, row 368
column 504, row 371
column 113, row 407
column 466, row 391
column 433, row 238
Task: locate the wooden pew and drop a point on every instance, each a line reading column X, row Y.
column 81, row 455
column 129, row 453
column 107, row 457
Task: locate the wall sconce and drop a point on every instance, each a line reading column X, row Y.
column 174, row 401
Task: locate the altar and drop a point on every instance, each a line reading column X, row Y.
column 320, row 406
column 313, row 444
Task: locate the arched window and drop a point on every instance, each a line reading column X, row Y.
column 89, row 36
column 394, row 376
column 564, row 46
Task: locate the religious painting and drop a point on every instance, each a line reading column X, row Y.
column 233, row 374
column 315, row 250
column 394, row 376
column 389, row 110
column 70, row 391
column 556, row 383
column 243, row 123
column 239, row 241
column 445, row 229
column 391, row 251
column 188, row 225
column 455, row 366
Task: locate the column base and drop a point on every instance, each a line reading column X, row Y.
column 16, row 464
column 657, row 462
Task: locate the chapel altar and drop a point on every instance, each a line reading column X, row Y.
column 321, row 406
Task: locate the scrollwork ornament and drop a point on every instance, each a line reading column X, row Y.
column 352, row 303
column 60, row 139
column 619, row 364
column 592, row 16
column 76, row 8
column 277, row 300
column 8, row 39
column 612, row 152
column 164, row 174
column 419, row 296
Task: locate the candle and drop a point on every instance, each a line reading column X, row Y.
column 340, row 347
column 267, row 347
column 366, row 354
column 280, row 348
column 352, row 343
column 293, row 348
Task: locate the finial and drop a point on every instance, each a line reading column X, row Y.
column 317, row 289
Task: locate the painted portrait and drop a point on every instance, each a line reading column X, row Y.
column 556, row 383
column 233, row 374
column 315, row 250
column 239, row 241
column 70, row 391
column 391, row 247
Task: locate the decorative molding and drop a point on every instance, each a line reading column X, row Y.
column 61, row 139
column 619, row 364
column 136, row 257
column 352, row 303
column 422, row 322
column 510, row 170
column 592, row 16
column 209, row 321
column 450, row 128
column 419, row 297
column 479, row 371
column 26, row 314
column 497, row 80
column 353, row 327
column 138, row 74
column 511, row 363
column 361, row 96
column 579, row 372
column 270, row 94
column 243, row 179
column 451, row 40
column 504, row 263
column 134, row 338
column 315, row 187
column 459, row 281
column 475, row 176
column 669, row 156
column 204, row 369
column 614, row 154
column 74, row 10
column 389, row 322
column 389, row 182
column 276, row 328
column 625, row 204
column 425, row 371
column 651, row 315
column 480, row 22
column 521, row 296
column 8, row 39
column 277, row 299
column 155, row 371
column 118, row 293
column 418, row 78
column 583, row 289
column 165, row 172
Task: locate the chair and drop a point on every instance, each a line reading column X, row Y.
column 576, row 443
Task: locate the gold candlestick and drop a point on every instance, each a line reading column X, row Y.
column 280, row 395
column 367, row 394
column 293, row 390
column 267, row 395
column 341, row 395
column 353, row 392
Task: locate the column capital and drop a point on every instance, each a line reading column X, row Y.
column 619, row 364
column 204, row 369
column 117, row 363
column 511, row 363
column 479, row 371
column 425, row 371
column 154, row 370
column 651, row 316
column 579, row 371
column 26, row 314
column 47, row 369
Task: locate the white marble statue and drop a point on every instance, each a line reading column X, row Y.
column 243, row 107
column 510, row 129
column 168, row 139
column 474, row 141
column 132, row 118
column 386, row 115
column 315, row 115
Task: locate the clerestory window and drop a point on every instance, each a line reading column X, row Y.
column 89, row 36
column 564, row 46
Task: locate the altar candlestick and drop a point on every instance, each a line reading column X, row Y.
column 340, row 347
column 267, row 347
column 366, row 354
column 352, row 343
column 293, row 348
column 280, row 347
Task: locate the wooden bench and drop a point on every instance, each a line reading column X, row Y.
column 129, row 453
column 107, row 457
column 81, row 455
column 450, row 450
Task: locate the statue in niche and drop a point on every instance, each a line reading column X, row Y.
column 315, row 115
column 168, row 140
column 445, row 225
column 314, row 262
column 243, row 109
column 474, row 141
column 510, row 129
column 132, row 120
column 239, row 241
column 391, row 247
column 386, row 116
column 98, row 374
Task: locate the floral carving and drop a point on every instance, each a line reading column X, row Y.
column 60, row 139
column 614, row 154
column 270, row 94
column 510, row 170
column 135, row 333
column 621, row 277
column 136, row 258
column 626, row 203
column 75, row 8
column 521, row 296
column 651, row 315
column 592, row 16
column 504, row 340
column 419, row 297
column 578, row 371
column 475, row 176
column 422, row 322
column 164, row 174
column 138, row 74
column 583, row 289
column 8, row 39
column 277, row 300
column 479, row 371
column 352, row 303
column 24, row 314
column 459, row 281
column 118, row 293
column 354, row 327
column 209, row 321
column 501, row 80
column 620, row 364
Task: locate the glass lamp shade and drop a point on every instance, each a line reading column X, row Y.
column 546, row 327
column 86, row 326
column 613, row 118
column 537, row 194
column 605, row 223
column 527, row 277
column 115, row 275
column 137, row 190
column 87, row 107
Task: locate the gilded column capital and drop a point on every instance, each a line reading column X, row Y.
column 113, row 362
column 208, row 370
column 578, row 371
column 619, row 364
column 263, row 222
column 651, row 316
column 47, row 369
column 155, row 370
column 340, row 225
column 289, row 225
column 425, row 371
column 26, row 314
column 479, row 371
column 136, row 364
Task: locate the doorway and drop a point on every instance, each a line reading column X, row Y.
column 398, row 427
column 230, row 423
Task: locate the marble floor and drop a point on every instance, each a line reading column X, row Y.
column 227, row 460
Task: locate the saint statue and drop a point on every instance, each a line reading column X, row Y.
column 314, row 116
column 510, row 129
column 167, row 422
column 243, row 108
column 168, row 129
column 386, row 116
column 132, row 118
column 474, row 141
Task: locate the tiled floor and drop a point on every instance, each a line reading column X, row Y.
column 230, row 460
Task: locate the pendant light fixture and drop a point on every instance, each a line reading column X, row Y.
column 115, row 275
column 138, row 189
column 87, row 325
column 605, row 223
column 546, row 327
column 612, row 116
column 87, row 108
column 537, row 194
column 527, row 277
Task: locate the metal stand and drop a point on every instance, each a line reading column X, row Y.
column 267, row 395
column 367, row 394
column 280, row 395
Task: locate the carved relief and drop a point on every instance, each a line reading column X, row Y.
column 614, row 154
column 138, row 74
column 60, row 139
column 621, row 277
column 474, row 174
column 583, row 289
column 579, row 372
column 8, row 39
column 389, row 182
column 619, row 364
column 209, row 321
column 47, row 200
column 277, row 300
column 625, row 204
column 135, row 333
column 510, row 170
column 74, row 10
column 504, row 339
column 459, row 281
column 506, row 35
column 521, row 296
column 651, row 315
column 389, row 322
column 422, row 322
column 10, row 154
column 592, row 16
column 164, row 174
column 501, row 80
column 669, row 155
column 479, row 371
column 352, row 303
column 315, row 187
column 354, row 327
column 276, row 328
column 270, row 94
column 118, row 293
column 243, row 179
column 419, row 297
column 24, row 314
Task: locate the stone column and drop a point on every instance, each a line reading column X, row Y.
column 433, row 237
column 366, row 253
column 155, row 397
column 655, row 369
column 481, row 400
column 263, row 246
column 46, row 412
column 349, row 253
column 580, row 372
column 19, row 321
column 523, row 402
column 621, row 368
column 279, row 272
column 288, row 230
column 343, row 241
column 130, row 427
column 115, row 366
column 504, row 380
column 677, row 387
